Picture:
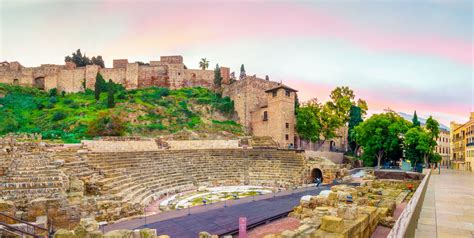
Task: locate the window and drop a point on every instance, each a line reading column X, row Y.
column 274, row 93
column 265, row 116
column 287, row 93
column 287, row 137
column 287, row 125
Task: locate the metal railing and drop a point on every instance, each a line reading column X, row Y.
column 30, row 230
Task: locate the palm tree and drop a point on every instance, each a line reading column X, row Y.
column 203, row 64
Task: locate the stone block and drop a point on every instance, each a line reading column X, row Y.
column 347, row 212
column 62, row 233
column 332, row 224
column 289, row 234
column 324, row 234
column 119, row 234
column 147, row 233
column 332, row 196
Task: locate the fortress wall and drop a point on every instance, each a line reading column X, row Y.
column 116, row 74
column 132, row 76
column 196, row 77
column 153, row 76
column 71, row 80
column 91, row 73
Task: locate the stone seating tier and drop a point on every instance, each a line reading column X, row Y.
column 136, row 176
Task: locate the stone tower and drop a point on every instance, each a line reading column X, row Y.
column 277, row 118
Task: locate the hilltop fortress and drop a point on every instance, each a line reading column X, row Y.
column 263, row 107
column 169, row 72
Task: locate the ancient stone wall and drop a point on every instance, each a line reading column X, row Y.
column 168, row 72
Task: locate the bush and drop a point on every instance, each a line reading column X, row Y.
column 57, row 116
column 53, row 100
column 106, row 124
column 53, row 92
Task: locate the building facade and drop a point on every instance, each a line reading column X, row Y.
column 169, row 72
column 462, row 145
column 443, row 147
column 264, row 108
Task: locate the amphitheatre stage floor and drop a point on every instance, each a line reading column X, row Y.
column 217, row 219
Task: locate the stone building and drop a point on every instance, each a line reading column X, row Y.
column 462, row 145
column 169, row 72
column 264, row 108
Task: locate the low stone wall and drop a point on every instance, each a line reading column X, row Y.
column 120, row 146
column 202, row 144
column 397, row 174
column 335, row 157
column 406, row 224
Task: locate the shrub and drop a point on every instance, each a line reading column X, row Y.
column 68, row 101
column 53, row 100
column 53, row 92
column 106, row 124
column 57, row 116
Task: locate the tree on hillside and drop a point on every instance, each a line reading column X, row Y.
column 99, row 86
column 242, row 72
column 217, row 76
column 204, row 64
column 110, row 94
column 355, row 118
column 415, row 120
column 98, row 61
column 81, row 60
column 380, row 135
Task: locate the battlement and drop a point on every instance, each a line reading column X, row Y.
column 120, row 63
column 173, row 59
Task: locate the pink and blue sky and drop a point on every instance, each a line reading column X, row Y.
column 403, row 55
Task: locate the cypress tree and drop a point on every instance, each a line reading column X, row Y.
column 217, row 76
column 98, row 86
column 242, row 72
column 415, row 120
column 110, row 94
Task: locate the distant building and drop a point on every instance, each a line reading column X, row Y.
column 462, row 145
column 443, row 147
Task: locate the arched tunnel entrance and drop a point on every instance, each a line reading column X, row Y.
column 316, row 173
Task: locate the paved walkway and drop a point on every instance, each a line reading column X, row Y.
column 217, row 219
column 448, row 208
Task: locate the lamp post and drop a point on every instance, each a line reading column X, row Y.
column 144, row 210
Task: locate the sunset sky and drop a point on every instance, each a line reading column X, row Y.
column 395, row 54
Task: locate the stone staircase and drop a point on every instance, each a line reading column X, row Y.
column 263, row 142
column 31, row 176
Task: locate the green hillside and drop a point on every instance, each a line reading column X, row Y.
column 141, row 112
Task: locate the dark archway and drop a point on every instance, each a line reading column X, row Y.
column 332, row 146
column 39, row 83
column 316, row 173
column 16, row 82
